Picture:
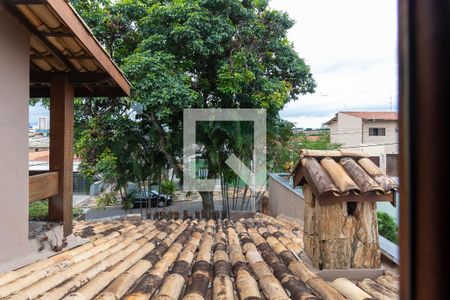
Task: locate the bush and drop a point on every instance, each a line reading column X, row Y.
column 38, row 211
column 106, row 200
column 127, row 203
column 387, row 227
column 168, row 187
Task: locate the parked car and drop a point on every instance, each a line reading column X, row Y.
column 154, row 198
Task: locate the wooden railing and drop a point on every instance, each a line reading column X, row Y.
column 43, row 185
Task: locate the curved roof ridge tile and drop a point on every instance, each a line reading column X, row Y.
column 319, row 178
column 339, row 176
column 387, row 183
column 365, row 182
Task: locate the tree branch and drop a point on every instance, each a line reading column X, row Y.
column 162, row 144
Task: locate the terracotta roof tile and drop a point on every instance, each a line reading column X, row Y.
column 373, row 115
column 342, row 173
column 44, row 156
column 368, row 115
column 253, row 258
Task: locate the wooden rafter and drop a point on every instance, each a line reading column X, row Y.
column 74, row 77
column 41, row 37
column 58, row 34
column 102, row 91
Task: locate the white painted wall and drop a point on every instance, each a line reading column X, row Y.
column 14, row 98
column 346, row 131
column 390, row 138
column 353, row 132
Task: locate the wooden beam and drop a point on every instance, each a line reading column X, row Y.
column 61, row 149
column 58, row 34
column 36, row 172
column 43, row 186
column 79, row 57
column 329, row 198
column 27, row 2
column 73, row 77
column 44, row 92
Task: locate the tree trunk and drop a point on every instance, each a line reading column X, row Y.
column 208, row 197
column 207, row 200
column 162, row 144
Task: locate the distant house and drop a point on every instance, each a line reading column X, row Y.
column 38, row 144
column 375, row 133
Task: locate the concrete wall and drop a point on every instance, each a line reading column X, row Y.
column 391, row 136
column 14, row 98
column 284, row 200
column 346, row 131
column 352, row 132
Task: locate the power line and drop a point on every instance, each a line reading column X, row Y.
column 371, row 145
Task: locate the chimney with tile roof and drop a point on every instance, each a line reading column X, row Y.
column 341, row 189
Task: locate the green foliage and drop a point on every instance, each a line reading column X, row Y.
column 182, row 54
column 322, row 143
column 168, row 187
column 107, row 166
column 286, row 146
column 105, row 200
column 127, row 202
column 76, row 212
column 38, row 211
column 387, row 227
column 113, row 23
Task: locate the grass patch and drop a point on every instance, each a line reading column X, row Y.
column 38, row 211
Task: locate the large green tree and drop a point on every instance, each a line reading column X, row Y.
column 201, row 54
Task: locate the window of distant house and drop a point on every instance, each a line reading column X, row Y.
column 377, row 131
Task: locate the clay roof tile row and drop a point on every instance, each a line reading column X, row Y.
column 343, row 173
column 255, row 258
column 368, row 116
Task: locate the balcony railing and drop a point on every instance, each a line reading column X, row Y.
column 43, row 185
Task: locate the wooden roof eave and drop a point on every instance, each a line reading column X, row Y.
column 69, row 16
column 117, row 84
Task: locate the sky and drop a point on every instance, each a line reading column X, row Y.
column 36, row 111
column 351, row 47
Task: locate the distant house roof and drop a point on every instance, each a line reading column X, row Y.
column 62, row 42
column 340, row 175
column 42, row 142
column 44, row 156
column 368, row 115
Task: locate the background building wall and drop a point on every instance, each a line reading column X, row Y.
column 346, row 131
column 390, row 138
column 14, row 98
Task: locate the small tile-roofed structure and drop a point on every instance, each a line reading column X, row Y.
column 253, row 258
column 337, row 175
column 341, row 189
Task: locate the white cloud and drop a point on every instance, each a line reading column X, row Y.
column 351, row 48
